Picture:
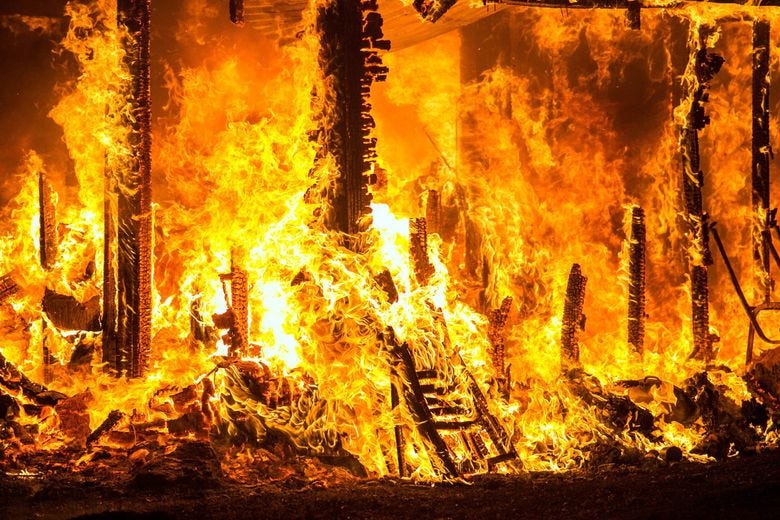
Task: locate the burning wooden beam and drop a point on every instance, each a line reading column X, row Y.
column 573, row 319
column 8, row 287
column 239, row 306
column 636, row 280
column 705, row 66
column 236, row 318
column 760, row 159
column 418, row 250
column 433, row 214
column 133, row 190
column 350, row 42
column 47, row 216
column 497, row 319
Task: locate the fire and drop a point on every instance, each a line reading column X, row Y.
column 532, row 165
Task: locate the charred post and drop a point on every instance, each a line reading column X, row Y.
column 498, row 318
column 636, row 281
column 8, row 287
column 418, row 250
column 237, row 12
column 236, row 318
column 134, row 210
column 433, row 211
column 109, row 316
column 573, row 319
column 705, row 66
column 760, row 159
column 351, row 39
column 47, row 215
column 239, row 304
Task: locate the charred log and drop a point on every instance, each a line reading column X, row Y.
column 111, row 422
column 573, row 319
column 12, row 379
column 636, row 281
column 351, row 38
column 760, row 160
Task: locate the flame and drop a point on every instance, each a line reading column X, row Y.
column 554, row 154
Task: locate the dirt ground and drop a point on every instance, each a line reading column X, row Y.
column 745, row 487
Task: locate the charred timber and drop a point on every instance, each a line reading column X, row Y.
column 12, row 379
column 134, row 194
column 706, row 65
column 8, row 287
column 636, row 281
column 433, row 216
column 404, row 368
column 239, row 305
column 47, row 216
column 573, row 319
column 67, row 313
column 760, row 161
column 351, row 39
column 498, row 318
column 418, row 250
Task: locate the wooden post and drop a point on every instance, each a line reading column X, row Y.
column 350, row 41
column 239, row 304
column 422, row 269
column 705, row 66
column 760, row 159
column 636, row 280
column 573, row 319
column 47, row 212
column 133, row 210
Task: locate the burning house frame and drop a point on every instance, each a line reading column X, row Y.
column 312, row 322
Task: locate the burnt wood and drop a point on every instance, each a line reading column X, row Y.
column 705, row 66
column 67, row 313
column 636, row 280
column 47, row 217
column 573, row 319
column 351, row 38
column 760, row 151
column 134, row 197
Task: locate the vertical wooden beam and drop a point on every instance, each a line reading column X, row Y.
column 636, row 280
column 704, row 66
column 350, row 42
column 573, row 319
column 422, row 269
column 239, row 305
column 760, row 161
column 134, row 197
column 47, row 214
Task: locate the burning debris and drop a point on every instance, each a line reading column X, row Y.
column 284, row 315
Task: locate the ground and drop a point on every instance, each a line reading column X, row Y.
column 742, row 487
